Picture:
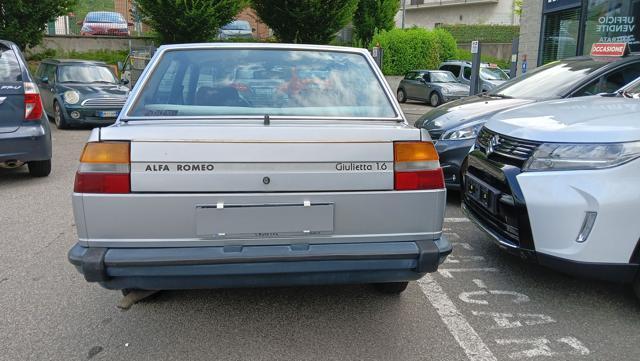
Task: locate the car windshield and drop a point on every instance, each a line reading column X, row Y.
column 85, row 74
column 493, row 74
column 9, row 68
column 553, row 80
column 237, row 25
column 252, row 82
column 442, row 77
column 104, row 18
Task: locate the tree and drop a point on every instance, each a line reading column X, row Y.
column 372, row 16
column 305, row 21
column 188, row 21
column 24, row 21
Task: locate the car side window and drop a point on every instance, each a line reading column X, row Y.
column 467, row 72
column 9, row 66
column 50, row 73
column 455, row 69
column 410, row 76
column 427, row 77
column 612, row 81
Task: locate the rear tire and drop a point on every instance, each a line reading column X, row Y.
column 40, row 168
column 435, row 99
column 392, row 288
column 401, row 96
column 58, row 117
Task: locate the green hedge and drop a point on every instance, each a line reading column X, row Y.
column 414, row 48
column 485, row 33
column 108, row 56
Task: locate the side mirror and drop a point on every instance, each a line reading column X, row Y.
column 44, row 80
column 124, row 81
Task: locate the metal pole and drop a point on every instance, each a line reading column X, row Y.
column 474, row 87
column 514, row 58
column 404, row 11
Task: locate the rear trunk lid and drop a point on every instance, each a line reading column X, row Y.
column 11, row 91
column 276, row 158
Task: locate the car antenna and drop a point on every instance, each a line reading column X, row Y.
column 267, row 120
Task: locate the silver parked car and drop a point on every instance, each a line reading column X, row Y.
column 236, row 29
column 490, row 74
column 433, row 86
column 195, row 186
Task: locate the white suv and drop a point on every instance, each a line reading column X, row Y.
column 557, row 182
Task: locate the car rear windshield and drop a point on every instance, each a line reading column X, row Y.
column 85, row 74
column 252, row 82
column 493, row 74
column 237, row 25
column 553, row 80
column 9, row 67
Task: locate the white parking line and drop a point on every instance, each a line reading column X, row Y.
column 456, row 220
column 457, row 324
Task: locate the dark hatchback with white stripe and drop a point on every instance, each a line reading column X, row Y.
column 77, row 92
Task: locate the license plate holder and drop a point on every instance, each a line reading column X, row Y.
column 264, row 220
column 107, row 114
column 481, row 192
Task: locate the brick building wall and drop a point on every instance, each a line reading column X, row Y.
column 261, row 30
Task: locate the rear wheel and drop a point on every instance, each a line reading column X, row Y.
column 402, row 96
column 58, row 117
column 40, row 168
column 394, row 288
column 435, row 100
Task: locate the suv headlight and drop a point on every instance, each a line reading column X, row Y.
column 463, row 132
column 558, row 156
column 71, row 97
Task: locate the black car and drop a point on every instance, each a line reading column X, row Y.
column 77, row 92
column 25, row 136
column 454, row 126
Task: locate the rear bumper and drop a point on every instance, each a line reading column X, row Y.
column 258, row 266
column 27, row 143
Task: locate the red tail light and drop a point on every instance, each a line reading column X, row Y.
column 32, row 102
column 416, row 166
column 240, row 87
column 104, row 168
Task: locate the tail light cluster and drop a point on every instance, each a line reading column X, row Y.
column 416, row 166
column 32, row 102
column 105, row 167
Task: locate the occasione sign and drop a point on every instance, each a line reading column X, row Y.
column 609, row 49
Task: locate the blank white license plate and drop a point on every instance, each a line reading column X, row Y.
column 263, row 221
column 108, row 114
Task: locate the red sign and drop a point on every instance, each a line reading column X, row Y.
column 609, row 49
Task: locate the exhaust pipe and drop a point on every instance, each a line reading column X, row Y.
column 10, row 164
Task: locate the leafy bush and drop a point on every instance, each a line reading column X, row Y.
column 108, row 56
column 414, row 48
column 462, row 54
column 485, row 33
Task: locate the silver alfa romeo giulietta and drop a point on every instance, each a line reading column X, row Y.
column 248, row 165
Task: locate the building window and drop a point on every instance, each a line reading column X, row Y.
column 612, row 21
column 560, row 38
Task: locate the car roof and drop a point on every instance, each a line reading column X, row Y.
column 262, row 46
column 7, row 43
column 73, row 61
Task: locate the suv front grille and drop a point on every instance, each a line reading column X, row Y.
column 508, row 150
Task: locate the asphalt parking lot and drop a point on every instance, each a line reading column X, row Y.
column 481, row 305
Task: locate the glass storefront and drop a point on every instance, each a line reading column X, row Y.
column 612, row 21
column 571, row 27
